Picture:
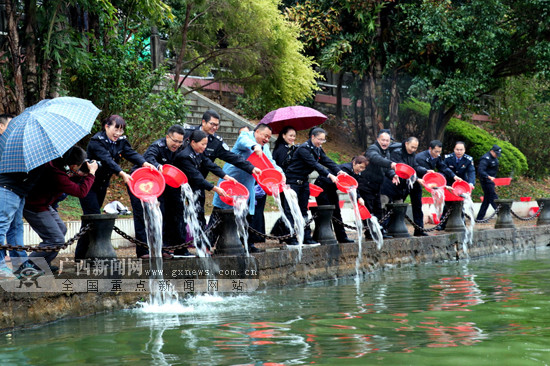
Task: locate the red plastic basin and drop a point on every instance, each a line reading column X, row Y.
column 233, row 190
column 268, row 179
column 260, row 162
column 363, row 212
column 146, row 183
column 314, row 190
column 461, row 188
column 525, row 199
column 346, row 182
column 173, row 176
column 404, row 171
column 432, row 180
column 427, row 200
column 502, row 181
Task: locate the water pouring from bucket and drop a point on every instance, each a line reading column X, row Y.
column 239, row 200
column 435, row 184
column 146, row 183
column 463, row 190
column 190, row 213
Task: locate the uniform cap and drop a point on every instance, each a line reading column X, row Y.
column 497, row 150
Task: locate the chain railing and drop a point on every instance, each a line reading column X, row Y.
column 49, row 248
column 528, row 218
column 442, row 221
column 484, row 221
column 351, row 227
column 281, row 237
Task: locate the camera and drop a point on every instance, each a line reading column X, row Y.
column 84, row 166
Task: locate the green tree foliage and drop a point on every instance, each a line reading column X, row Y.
column 118, row 81
column 522, row 114
column 478, row 141
column 247, row 43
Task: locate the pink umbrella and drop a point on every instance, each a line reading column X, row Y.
column 299, row 117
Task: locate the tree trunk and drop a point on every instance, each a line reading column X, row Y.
column 181, row 54
column 4, row 105
column 339, row 111
column 394, row 104
column 370, row 108
column 16, row 57
column 31, row 63
column 438, row 120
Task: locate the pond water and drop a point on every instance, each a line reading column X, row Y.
column 492, row 311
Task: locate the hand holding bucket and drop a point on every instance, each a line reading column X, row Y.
column 345, row 182
column 269, row 179
column 232, row 189
column 146, row 183
column 173, row 176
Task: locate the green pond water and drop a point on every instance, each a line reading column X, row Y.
column 491, row 311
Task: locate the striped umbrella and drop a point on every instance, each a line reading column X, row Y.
column 44, row 132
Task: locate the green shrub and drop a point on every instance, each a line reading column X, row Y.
column 478, row 141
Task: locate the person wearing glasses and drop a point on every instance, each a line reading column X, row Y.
column 216, row 149
column 308, row 157
column 108, row 147
column 163, row 151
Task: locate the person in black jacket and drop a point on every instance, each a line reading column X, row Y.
column 284, row 147
column 329, row 196
column 308, row 157
column 406, row 154
column 488, row 169
column 217, row 148
column 107, row 147
column 461, row 164
column 380, row 166
column 431, row 160
column 193, row 162
column 162, row 151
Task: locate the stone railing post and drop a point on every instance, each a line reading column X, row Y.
column 229, row 242
column 396, row 226
column 544, row 216
column 323, row 232
column 504, row 215
column 455, row 221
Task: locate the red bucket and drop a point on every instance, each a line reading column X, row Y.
column 146, row 183
column 451, row 196
column 173, row 176
column 268, row 178
column 461, row 188
column 432, row 180
column 345, row 182
column 525, row 199
column 404, row 171
column 233, row 190
column 260, row 162
column 502, row 181
column 363, row 212
column 314, row 190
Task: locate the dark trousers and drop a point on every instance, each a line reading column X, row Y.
column 371, row 196
column 257, row 221
column 91, row 204
column 329, row 196
column 302, row 193
column 489, row 197
column 51, row 229
column 416, row 204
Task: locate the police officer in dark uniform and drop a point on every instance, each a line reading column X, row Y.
column 430, row 160
column 372, row 178
column 461, row 164
column 163, row 151
column 107, row 147
column 308, row 157
column 216, row 149
column 488, row 169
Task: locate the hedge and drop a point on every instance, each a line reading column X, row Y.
column 478, row 141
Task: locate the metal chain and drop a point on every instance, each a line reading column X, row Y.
column 49, row 248
column 484, row 221
column 282, row 237
column 528, row 218
column 336, row 221
column 438, row 226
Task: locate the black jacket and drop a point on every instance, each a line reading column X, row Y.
column 464, row 168
column 379, row 166
column 325, row 183
column 193, row 164
column 400, row 191
column 488, row 166
column 217, row 149
column 306, row 159
column 110, row 153
column 424, row 159
column 21, row 183
column 282, row 154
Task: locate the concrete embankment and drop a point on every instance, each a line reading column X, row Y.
column 24, row 305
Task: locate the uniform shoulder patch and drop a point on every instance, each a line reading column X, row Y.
column 224, row 145
column 219, row 137
column 469, row 157
column 448, row 156
column 123, row 137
